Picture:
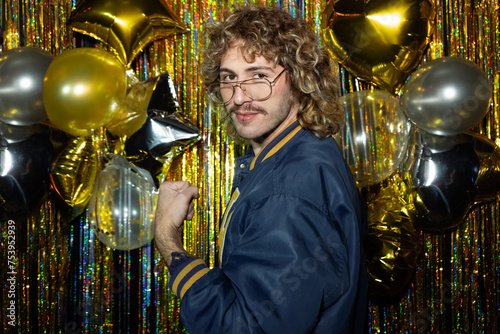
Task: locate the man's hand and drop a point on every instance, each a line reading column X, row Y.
column 175, row 204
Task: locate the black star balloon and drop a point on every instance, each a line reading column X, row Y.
column 164, row 97
column 448, row 175
column 165, row 134
column 160, row 140
column 162, row 134
column 127, row 26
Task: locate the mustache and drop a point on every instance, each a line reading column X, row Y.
column 247, row 108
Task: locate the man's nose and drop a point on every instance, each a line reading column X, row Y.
column 239, row 96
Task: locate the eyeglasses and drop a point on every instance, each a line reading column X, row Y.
column 256, row 89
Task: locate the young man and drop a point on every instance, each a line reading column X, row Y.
column 290, row 240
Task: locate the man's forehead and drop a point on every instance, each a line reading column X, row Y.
column 239, row 58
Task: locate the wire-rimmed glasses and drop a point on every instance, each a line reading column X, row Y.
column 256, row 89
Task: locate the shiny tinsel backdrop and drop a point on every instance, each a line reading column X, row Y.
column 100, row 100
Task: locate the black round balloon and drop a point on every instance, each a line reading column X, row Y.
column 24, row 172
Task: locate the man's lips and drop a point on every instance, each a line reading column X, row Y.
column 245, row 114
column 245, row 117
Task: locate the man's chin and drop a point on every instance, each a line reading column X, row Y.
column 253, row 137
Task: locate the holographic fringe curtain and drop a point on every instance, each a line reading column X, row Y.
column 66, row 281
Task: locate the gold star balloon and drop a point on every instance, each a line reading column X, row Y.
column 378, row 41
column 127, row 26
column 393, row 244
column 74, row 171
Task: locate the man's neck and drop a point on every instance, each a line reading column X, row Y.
column 258, row 145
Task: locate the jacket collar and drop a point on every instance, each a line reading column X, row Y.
column 279, row 141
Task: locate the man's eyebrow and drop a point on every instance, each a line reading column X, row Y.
column 225, row 70
column 249, row 69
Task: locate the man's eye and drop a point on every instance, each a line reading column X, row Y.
column 229, row 77
column 259, row 76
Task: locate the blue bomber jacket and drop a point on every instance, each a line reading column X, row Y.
column 290, row 250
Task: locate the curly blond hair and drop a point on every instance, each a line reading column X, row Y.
column 289, row 42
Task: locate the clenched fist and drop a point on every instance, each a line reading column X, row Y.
column 175, row 205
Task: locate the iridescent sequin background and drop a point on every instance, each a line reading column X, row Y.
column 69, row 282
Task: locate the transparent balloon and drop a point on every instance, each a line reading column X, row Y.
column 375, row 136
column 121, row 210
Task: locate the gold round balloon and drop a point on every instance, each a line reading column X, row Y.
column 393, row 243
column 379, row 41
column 74, row 171
column 83, row 90
column 126, row 26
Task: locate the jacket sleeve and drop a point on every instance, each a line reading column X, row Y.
column 290, row 263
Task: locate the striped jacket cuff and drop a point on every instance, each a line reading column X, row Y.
column 184, row 271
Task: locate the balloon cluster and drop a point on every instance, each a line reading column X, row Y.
column 63, row 117
column 426, row 139
column 88, row 95
column 420, row 147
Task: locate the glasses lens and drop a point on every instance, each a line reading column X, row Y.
column 256, row 89
column 226, row 92
column 214, row 92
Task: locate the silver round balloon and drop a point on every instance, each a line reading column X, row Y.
column 14, row 133
column 447, row 96
column 22, row 72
